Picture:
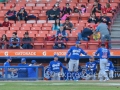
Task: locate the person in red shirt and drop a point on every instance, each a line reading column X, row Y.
column 6, row 23
column 3, row 40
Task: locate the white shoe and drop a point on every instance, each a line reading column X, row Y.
column 106, row 79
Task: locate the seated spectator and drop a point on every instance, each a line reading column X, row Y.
column 6, row 23
column 65, row 16
column 26, row 41
column 66, row 9
column 11, row 14
column 86, row 33
column 104, row 16
column 14, row 41
column 53, row 14
column 96, row 7
column 3, row 40
column 96, row 36
column 57, row 25
column 68, row 25
column 59, row 42
column 22, row 14
column 76, row 10
column 93, row 19
column 83, row 9
column 104, row 32
column 62, row 32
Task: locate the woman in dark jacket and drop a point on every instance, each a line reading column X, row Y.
column 22, row 14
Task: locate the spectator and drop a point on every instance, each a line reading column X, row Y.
column 3, row 40
column 65, row 16
column 76, row 10
column 11, row 14
column 57, row 25
column 14, row 41
column 96, row 36
column 93, row 19
column 104, row 32
column 62, row 32
column 96, row 7
column 59, row 42
column 26, row 41
column 6, row 23
column 66, row 9
column 68, row 25
column 23, row 71
column 86, row 33
column 104, row 16
column 83, row 9
column 22, row 14
column 53, row 14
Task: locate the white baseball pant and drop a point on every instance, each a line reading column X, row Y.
column 55, row 76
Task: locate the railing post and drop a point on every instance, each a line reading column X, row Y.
column 37, row 73
column 43, row 72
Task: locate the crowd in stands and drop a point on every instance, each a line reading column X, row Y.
column 99, row 31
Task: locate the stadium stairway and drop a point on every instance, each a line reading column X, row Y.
column 115, row 33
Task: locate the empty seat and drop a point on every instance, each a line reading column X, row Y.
column 42, row 17
column 37, row 8
column 93, row 45
column 25, row 28
column 46, row 28
column 40, row 37
column 9, row 33
column 26, row 25
column 74, row 16
column 34, row 11
column 30, row 4
column 40, row 5
column 47, row 24
column 20, row 22
column 4, row 28
column 31, row 21
column 41, row 21
column 14, row 28
column 37, row 25
column 52, row 32
column 2, row 32
column 28, row 8
column 36, row 28
column 85, row 16
column 20, row 33
column 43, row 32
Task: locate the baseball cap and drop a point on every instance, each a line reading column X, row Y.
column 56, row 56
column 33, row 61
column 9, row 58
column 23, row 60
column 77, row 42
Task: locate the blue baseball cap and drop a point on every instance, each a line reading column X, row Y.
column 56, row 56
column 9, row 58
column 33, row 61
column 77, row 42
column 23, row 60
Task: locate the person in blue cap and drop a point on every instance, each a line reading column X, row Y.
column 74, row 53
column 23, row 71
column 55, row 66
column 32, row 70
column 8, row 70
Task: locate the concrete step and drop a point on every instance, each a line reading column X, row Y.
column 115, row 36
column 116, row 26
column 115, row 29
column 116, row 46
column 115, row 39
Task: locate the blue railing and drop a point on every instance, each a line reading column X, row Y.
column 5, row 72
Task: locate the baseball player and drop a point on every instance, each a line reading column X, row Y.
column 23, row 72
column 110, row 69
column 91, row 68
column 55, row 66
column 8, row 70
column 104, row 54
column 74, row 53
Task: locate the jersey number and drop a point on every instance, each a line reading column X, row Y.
column 104, row 55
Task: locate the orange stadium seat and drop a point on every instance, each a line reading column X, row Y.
column 36, row 28
column 2, row 32
column 52, row 32
column 43, row 32
column 74, row 16
column 37, row 8
column 20, row 22
column 30, row 4
column 83, row 21
column 32, row 35
column 50, row 4
column 44, row 1
column 41, row 21
column 31, row 1
column 4, row 28
column 9, row 33
column 20, row 33
column 46, row 28
column 10, row 4
column 34, row 11
column 25, row 28
column 85, row 16
column 11, row 1
column 81, row 1
column 20, row 5
column 17, row 8
column 37, row 25
column 78, row 25
column 43, row 11
column 6, row 8
column 47, row 24
column 38, row 45
column 33, row 32
column 74, row 21
column 115, row 1
column 21, row 1
column 28, row 8
column 93, row 45
column 40, row 5
column 14, row 28
column 73, row 1
column 73, row 36
column 49, row 45
column 40, row 37
column 79, row 5
column 47, row 8
column 51, row 21
column 42, row 16
column 101, row 1
column 69, row 44
column 26, row 25
column 1, row 5
column 31, row 21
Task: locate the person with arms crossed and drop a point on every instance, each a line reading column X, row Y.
column 91, row 69
column 104, row 54
column 74, row 53
column 55, row 66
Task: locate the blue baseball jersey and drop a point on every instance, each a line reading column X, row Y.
column 6, row 64
column 75, row 52
column 109, row 66
column 91, row 68
column 103, row 53
column 22, row 72
column 55, row 66
column 32, row 72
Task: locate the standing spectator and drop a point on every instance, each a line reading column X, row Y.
column 59, row 42
column 104, row 32
column 96, row 7
column 68, row 25
column 22, row 71
column 6, row 23
column 14, row 41
column 53, row 13
column 3, row 40
column 26, row 41
column 66, row 9
column 22, row 14
column 96, row 36
column 86, row 33
column 62, row 32
column 104, row 16
column 57, row 25
column 11, row 14
column 93, row 19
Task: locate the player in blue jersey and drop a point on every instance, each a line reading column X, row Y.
column 74, row 53
column 55, row 66
column 91, row 68
column 23, row 71
column 104, row 54
column 32, row 70
column 8, row 70
column 110, row 69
